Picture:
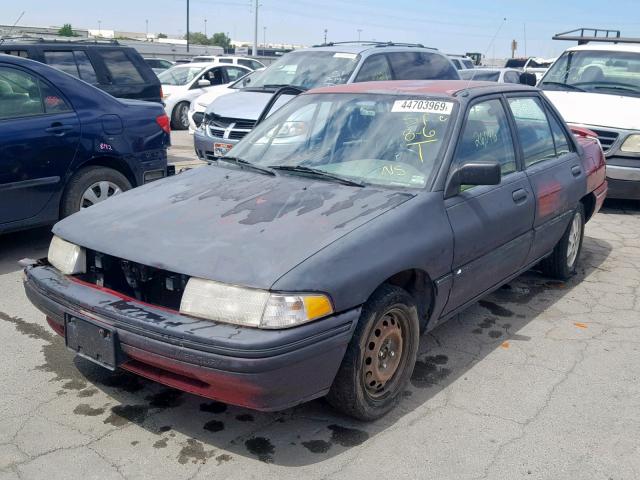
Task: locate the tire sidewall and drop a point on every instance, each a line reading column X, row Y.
column 571, row 269
column 176, row 117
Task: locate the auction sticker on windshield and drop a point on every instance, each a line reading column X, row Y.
column 423, row 106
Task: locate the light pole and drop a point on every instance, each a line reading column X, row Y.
column 99, row 28
column 187, row 25
column 325, row 36
column 264, row 37
column 255, row 29
column 147, row 27
column 205, row 27
column 359, row 32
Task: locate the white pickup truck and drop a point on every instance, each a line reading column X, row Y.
column 597, row 86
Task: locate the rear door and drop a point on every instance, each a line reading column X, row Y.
column 492, row 224
column 39, row 135
column 553, row 167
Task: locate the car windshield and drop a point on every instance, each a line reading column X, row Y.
column 308, row 69
column 387, row 140
column 246, row 80
column 596, row 71
column 180, row 75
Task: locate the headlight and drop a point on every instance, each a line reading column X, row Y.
column 67, row 257
column 251, row 307
column 631, row 144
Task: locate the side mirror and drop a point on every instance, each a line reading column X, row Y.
column 528, row 79
column 203, row 83
column 473, row 173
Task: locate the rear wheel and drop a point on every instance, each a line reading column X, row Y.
column 380, row 357
column 562, row 263
column 180, row 116
column 92, row 185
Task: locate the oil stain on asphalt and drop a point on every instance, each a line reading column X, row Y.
column 261, row 447
column 429, row 372
column 194, row 452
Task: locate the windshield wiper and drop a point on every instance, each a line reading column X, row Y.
column 319, row 173
column 617, row 87
column 565, row 85
column 245, row 163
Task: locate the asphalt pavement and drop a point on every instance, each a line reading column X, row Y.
column 540, row 380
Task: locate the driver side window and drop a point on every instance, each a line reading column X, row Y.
column 486, row 136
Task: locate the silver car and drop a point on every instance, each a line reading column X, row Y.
column 229, row 118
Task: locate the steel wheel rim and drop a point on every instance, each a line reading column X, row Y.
column 98, row 192
column 384, row 354
column 184, row 115
column 574, row 239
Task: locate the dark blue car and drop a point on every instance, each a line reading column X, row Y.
column 66, row 145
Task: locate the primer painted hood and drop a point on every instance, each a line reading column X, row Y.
column 597, row 109
column 224, row 224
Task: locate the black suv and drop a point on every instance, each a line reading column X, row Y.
column 114, row 68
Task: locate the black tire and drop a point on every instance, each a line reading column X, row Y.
column 85, row 178
column 558, row 264
column 179, row 119
column 349, row 392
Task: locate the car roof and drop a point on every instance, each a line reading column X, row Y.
column 358, row 48
column 447, row 88
column 204, row 64
column 611, row 47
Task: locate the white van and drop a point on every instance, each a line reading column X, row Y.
column 597, row 86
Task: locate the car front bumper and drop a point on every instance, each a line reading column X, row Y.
column 204, row 144
column 260, row 369
column 623, row 175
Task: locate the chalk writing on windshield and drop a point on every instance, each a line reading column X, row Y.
column 418, row 133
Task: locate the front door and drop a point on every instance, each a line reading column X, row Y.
column 39, row 135
column 492, row 225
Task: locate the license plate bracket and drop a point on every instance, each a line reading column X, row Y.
column 95, row 342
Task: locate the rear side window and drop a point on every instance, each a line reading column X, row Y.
column 234, row 73
column 559, row 135
column 533, row 130
column 511, row 77
column 52, row 99
column 421, row 66
column 487, row 137
column 120, row 67
column 62, row 61
column 74, row 63
column 225, row 60
column 19, row 94
column 375, row 68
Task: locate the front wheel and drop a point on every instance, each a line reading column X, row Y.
column 180, row 116
column 380, row 357
column 562, row 263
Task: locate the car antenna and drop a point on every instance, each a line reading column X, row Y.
column 12, row 27
column 504, row 20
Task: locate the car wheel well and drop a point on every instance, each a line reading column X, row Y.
column 589, row 203
column 419, row 285
column 107, row 162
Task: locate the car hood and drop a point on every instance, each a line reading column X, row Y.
column 247, row 105
column 597, row 109
column 213, row 93
column 225, row 224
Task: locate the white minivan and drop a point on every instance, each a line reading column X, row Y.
column 597, row 86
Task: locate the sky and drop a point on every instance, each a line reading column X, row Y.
column 453, row 26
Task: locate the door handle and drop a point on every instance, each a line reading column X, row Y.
column 576, row 170
column 520, row 196
column 58, row 129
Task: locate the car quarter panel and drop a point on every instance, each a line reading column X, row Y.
column 413, row 235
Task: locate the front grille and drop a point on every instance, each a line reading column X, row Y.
column 224, row 122
column 216, row 132
column 197, row 118
column 607, row 138
column 237, row 134
column 148, row 284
